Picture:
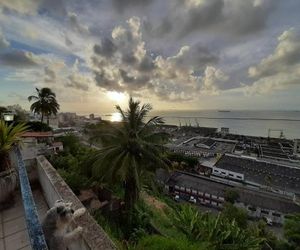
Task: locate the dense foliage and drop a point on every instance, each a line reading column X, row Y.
column 292, row 230
column 231, row 195
column 38, row 126
column 71, row 164
column 182, row 161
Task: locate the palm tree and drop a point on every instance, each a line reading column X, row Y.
column 45, row 103
column 9, row 136
column 131, row 151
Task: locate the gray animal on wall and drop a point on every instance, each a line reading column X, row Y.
column 56, row 225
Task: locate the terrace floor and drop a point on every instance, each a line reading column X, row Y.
column 13, row 231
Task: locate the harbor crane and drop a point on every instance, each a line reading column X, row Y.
column 179, row 123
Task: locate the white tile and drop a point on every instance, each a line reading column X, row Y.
column 17, row 240
column 14, row 226
column 12, row 213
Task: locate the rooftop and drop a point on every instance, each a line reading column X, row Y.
column 281, row 176
column 38, row 134
column 247, row 196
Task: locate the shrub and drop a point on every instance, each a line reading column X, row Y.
column 231, row 212
column 231, row 195
column 156, row 242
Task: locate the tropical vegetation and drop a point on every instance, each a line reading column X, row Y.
column 45, row 103
column 130, row 153
column 10, row 135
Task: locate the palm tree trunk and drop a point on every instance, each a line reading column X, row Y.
column 131, row 197
column 42, row 119
column 48, row 120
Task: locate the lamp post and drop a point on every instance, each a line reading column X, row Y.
column 8, row 117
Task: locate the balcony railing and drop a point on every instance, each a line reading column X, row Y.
column 34, row 227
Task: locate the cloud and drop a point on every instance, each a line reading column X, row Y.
column 3, row 42
column 121, row 5
column 280, row 69
column 122, row 63
column 76, row 25
column 285, row 56
column 19, row 58
column 50, row 75
column 106, row 48
column 31, row 7
column 212, row 79
column 20, row 6
column 78, row 80
column 225, row 16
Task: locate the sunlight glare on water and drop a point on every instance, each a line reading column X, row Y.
column 116, row 117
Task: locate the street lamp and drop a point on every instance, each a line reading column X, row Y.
column 8, row 117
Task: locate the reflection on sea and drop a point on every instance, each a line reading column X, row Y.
column 116, row 117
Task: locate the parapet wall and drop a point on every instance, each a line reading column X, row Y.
column 55, row 188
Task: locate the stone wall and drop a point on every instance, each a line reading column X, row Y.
column 55, row 188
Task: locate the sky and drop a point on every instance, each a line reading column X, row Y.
column 174, row 54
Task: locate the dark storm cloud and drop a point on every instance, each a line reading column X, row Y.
column 134, row 83
column 104, row 82
column 129, row 58
column 231, row 16
column 18, row 58
column 106, row 48
column 146, row 64
column 198, row 57
column 208, row 13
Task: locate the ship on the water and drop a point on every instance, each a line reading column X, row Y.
column 223, row 110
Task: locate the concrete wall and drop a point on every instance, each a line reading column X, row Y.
column 55, row 188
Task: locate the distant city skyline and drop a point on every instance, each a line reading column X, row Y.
column 176, row 55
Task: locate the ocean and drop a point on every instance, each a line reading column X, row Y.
column 256, row 123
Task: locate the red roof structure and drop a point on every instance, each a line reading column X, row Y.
column 38, row 134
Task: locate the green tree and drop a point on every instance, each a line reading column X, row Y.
column 130, row 151
column 45, row 103
column 231, row 195
column 231, row 212
column 292, row 230
column 38, row 126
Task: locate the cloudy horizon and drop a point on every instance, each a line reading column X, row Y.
column 189, row 54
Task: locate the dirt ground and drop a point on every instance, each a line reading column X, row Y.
column 152, row 201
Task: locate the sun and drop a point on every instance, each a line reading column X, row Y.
column 116, row 96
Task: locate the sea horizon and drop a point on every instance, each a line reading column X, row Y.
column 246, row 122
